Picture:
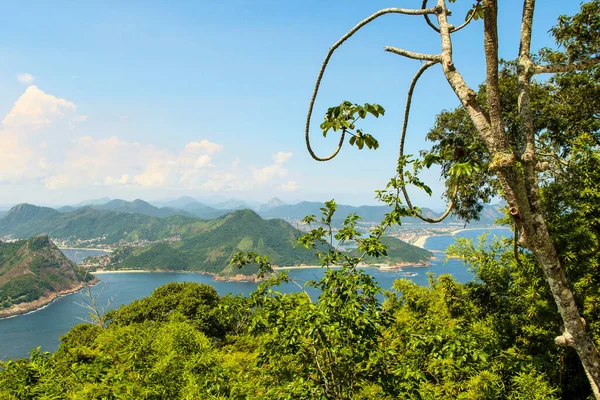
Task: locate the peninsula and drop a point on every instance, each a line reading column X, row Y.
column 35, row 272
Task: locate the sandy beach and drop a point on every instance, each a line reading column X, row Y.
column 420, row 242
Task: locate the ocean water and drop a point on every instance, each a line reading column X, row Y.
column 18, row 335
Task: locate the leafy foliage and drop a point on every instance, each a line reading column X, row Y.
column 343, row 118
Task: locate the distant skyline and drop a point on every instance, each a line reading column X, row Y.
column 157, row 100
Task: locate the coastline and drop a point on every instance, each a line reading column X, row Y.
column 420, row 242
column 41, row 303
column 253, row 277
column 215, row 277
column 86, row 249
column 453, row 233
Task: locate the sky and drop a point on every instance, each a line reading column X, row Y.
column 161, row 99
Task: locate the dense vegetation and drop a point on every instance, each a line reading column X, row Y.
column 30, row 269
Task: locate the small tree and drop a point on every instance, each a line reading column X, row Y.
column 513, row 156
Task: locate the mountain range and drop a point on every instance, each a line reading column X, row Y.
column 274, row 208
column 185, row 206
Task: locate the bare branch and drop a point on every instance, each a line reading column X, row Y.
column 411, row 89
column 452, row 30
column 557, row 68
column 413, row 55
column 526, row 27
column 469, row 19
column 409, row 96
column 337, row 44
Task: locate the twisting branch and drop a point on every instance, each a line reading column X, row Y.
column 411, row 89
column 333, row 48
column 456, row 29
column 413, row 55
column 557, row 68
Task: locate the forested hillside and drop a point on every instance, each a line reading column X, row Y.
column 26, row 220
column 244, row 231
column 34, row 268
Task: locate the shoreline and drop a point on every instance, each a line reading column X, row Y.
column 41, row 303
column 420, row 242
column 253, row 277
column 86, row 249
column 455, row 232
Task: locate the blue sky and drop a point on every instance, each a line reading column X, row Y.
column 153, row 100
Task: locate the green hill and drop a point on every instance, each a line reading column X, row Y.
column 399, row 252
column 212, row 249
column 34, row 269
column 86, row 223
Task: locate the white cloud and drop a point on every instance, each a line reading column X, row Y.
column 282, row 157
column 123, row 180
column 203, row 146
column 79, row 118
column 265, row 174
column 41, row 141
column 202, row 162
column 15, row 158
column 56, row 182
column 36, row 109
column 43, row 163
column 35, row 114
column 25, row 78
column 155, row 175
column 291, row 186
column 144, row 165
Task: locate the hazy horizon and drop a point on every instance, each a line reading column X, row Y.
column 211, row 201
